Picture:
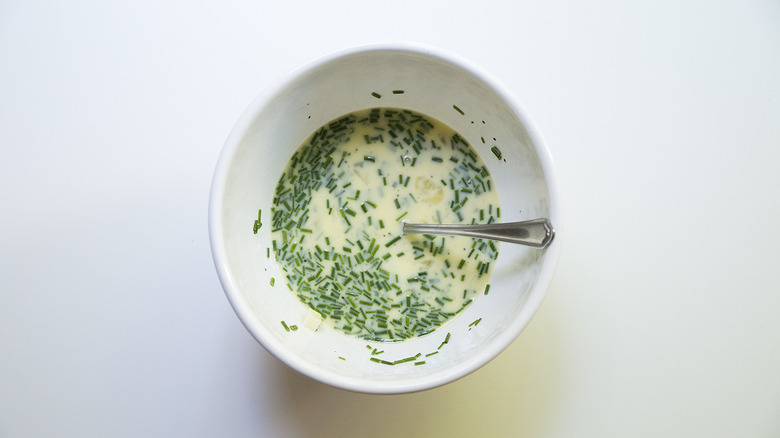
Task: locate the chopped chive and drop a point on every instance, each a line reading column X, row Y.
column 398, row 91
column 496, row 151
column 458, row 109
column 258, row 224
column 446, row 341
column 377, row 95
column 407, row 359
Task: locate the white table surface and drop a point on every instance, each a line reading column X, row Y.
column 663, row 319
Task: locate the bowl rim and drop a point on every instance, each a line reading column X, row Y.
column 263, row 335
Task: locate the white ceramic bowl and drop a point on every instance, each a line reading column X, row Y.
column 278, row 122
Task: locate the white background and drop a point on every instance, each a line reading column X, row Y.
column 663, row 319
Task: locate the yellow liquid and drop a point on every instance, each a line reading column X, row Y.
column 337, row 224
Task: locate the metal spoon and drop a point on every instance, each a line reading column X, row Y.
column 537, row 233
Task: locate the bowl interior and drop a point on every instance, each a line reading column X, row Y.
column 277, row 123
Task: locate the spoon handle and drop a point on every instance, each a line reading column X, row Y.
column 537, row 233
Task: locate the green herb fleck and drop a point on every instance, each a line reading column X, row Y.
column 258, row 224
column 446, row 341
